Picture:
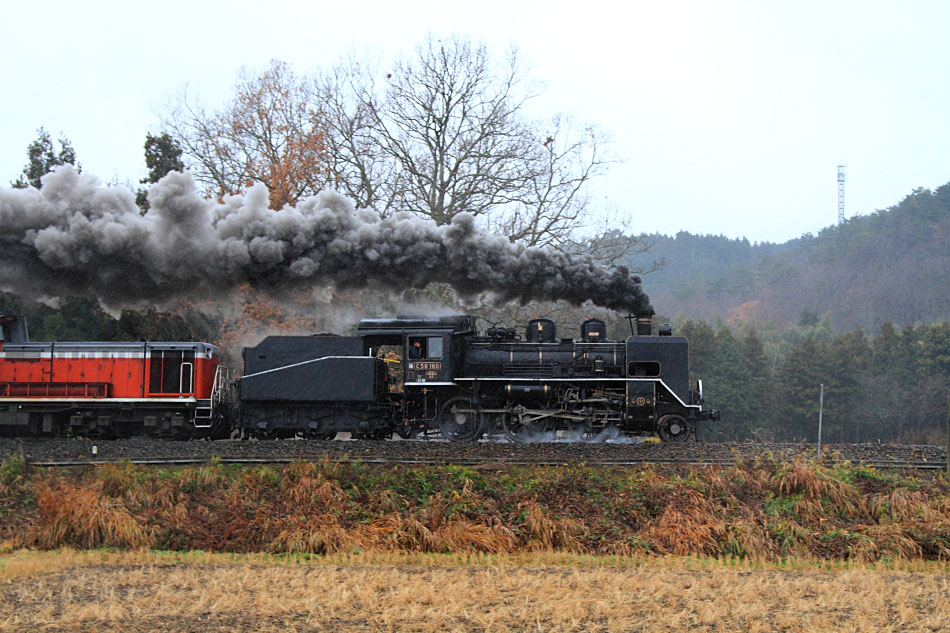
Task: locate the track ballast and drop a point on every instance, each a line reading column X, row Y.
column 77, row 452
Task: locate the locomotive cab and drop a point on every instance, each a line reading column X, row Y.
column 430, row 351
column 430, row 347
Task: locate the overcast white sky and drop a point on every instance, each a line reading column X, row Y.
column 731, row 117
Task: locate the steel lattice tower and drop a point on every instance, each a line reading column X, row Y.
column 842, row 174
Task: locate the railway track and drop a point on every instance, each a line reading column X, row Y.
column 460, row 461
column 79, row 452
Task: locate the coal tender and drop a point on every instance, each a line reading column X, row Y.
column 416, row 375
column 317, row 385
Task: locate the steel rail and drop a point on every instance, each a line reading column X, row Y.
column 459, row 461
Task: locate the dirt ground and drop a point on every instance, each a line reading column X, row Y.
column 73, row 591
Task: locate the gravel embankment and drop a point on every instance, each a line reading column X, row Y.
column 143, row 448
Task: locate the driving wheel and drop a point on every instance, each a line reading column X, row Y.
column 460, row 421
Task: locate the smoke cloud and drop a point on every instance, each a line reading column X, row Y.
column 76, row 236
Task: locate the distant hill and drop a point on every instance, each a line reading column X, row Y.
column 890, row 265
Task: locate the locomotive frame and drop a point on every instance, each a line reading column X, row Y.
column 449, row 378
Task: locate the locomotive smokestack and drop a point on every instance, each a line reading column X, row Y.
column 644, row 323
column 75, row 236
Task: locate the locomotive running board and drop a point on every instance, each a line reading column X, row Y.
column 624, row 380
column 430, row 384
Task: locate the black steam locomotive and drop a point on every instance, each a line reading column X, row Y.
column 414, row 376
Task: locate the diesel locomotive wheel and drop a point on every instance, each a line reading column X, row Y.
column 461, row 421
column 673, row 428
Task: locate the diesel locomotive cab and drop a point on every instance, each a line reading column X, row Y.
column 109, row 389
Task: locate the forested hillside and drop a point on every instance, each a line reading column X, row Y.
column 891, row 265
column 890, row 386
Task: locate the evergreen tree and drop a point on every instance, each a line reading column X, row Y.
column 848, row 363
column 808, row 319
column 888, row 381
column 42, row 158
column 731, row 388
column 798, row 377
column 702, row 344
column 162, row 155
column 887, row 348
column 934, row 359
column 762, row 390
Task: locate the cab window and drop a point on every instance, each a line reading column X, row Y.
column 425, row 347
column 644, row 368
column 434, row 347
column 417, row 347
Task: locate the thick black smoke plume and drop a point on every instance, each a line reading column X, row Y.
column 75, row 236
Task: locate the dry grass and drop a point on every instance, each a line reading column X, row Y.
column 760, row 511
column 462, row 535
column 818, row 487
column 72, row 591
column 690, row 524
column 901, row 504
column 321, row 534
column 403, row 533
column 891, row 540
column 547, row 533
column 80, row 517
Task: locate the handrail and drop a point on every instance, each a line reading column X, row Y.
column 191, row 378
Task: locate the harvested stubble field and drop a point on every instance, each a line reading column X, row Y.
column 141, row 591
column 568, row 548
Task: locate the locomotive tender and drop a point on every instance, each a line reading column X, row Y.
column 442, row 374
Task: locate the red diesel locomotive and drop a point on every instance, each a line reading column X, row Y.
column 174, row 390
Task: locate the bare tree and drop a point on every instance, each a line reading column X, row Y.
column 554, row 205
column 270, row 132
column 362, row 169
column 446, row 131
column 442, row 135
